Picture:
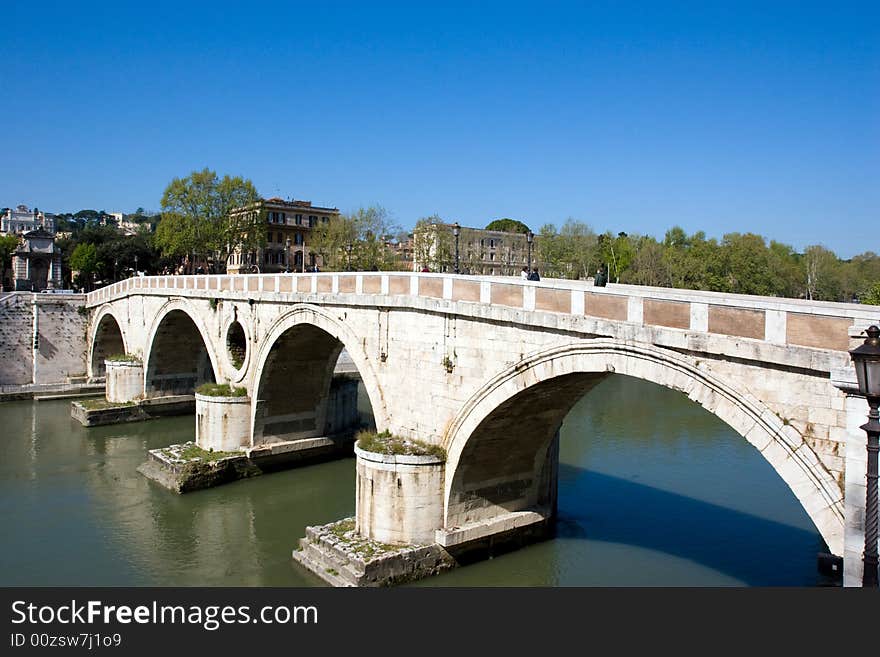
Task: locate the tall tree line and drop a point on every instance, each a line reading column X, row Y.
column 740, row 263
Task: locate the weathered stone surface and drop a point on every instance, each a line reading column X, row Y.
column 399, row 498
column 340, row 556
column 62, row 340
column 125, row 380
column 182, row 475
column 94, row 415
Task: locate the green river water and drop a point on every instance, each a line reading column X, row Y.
column 664, row 496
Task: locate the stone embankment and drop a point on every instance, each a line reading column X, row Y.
column 42, row 339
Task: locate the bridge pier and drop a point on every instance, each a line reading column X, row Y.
column 398, row 533
column 125, row 380
column 223, row 424
column 399, row 498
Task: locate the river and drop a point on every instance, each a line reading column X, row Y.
column 653, row 491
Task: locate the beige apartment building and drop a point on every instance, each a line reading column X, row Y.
column 288, row 226
column 480, row 251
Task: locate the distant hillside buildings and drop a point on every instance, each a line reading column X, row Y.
column 22, row 219
column 36, row 263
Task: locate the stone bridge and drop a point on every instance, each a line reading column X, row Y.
column 488, row 368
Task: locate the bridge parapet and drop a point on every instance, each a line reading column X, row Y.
column 777, row 321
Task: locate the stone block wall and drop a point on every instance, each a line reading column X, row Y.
column 16, row 331
column 62, row 338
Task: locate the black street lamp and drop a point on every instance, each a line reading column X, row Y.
column 135, row 265
column 456, row 230
column 529, row 237
column 287, row 263
column 866, row 359
column 349, row 256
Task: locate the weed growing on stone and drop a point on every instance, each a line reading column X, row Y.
column 192, row 451
column 102, row 404
column 123, row 358
column 221, row 390
column 386, row 443
column 359, row 546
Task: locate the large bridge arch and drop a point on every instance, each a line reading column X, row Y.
column 326, row 336
column 106, row 337
column 179, row 354
column 511, row 404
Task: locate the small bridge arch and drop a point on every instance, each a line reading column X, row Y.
column 305, row 340
column 106, row 338
column 180, row 354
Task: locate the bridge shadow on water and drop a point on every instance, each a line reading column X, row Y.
column 754, row 550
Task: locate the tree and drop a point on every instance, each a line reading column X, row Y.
column 8, row 245
column 784, row 272
column 872, row 295
column 197, row 223
column 580, row 249
column 859, row 274
column 357, row 240
column 648, row 265
column 746, row 263
column 508, row 226
column 616, row 252
column 550, row 252
column 84, row 259
column 821, row 273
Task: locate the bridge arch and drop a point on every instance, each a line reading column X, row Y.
column 311, row 329
column 106, row 337
column 487, row 472
column 180, row 354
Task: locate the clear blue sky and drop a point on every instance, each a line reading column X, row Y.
column 737, row 117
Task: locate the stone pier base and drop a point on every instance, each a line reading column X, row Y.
column 340, row 556
column 94, row 413
column 188, row 467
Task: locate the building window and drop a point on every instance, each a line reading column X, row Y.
column 299, row 220
column 298, row 239
column 313, row 221
column 269, row 238
column 325, row 220
column 278, row 236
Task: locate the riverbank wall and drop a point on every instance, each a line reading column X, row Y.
column 42, row 341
